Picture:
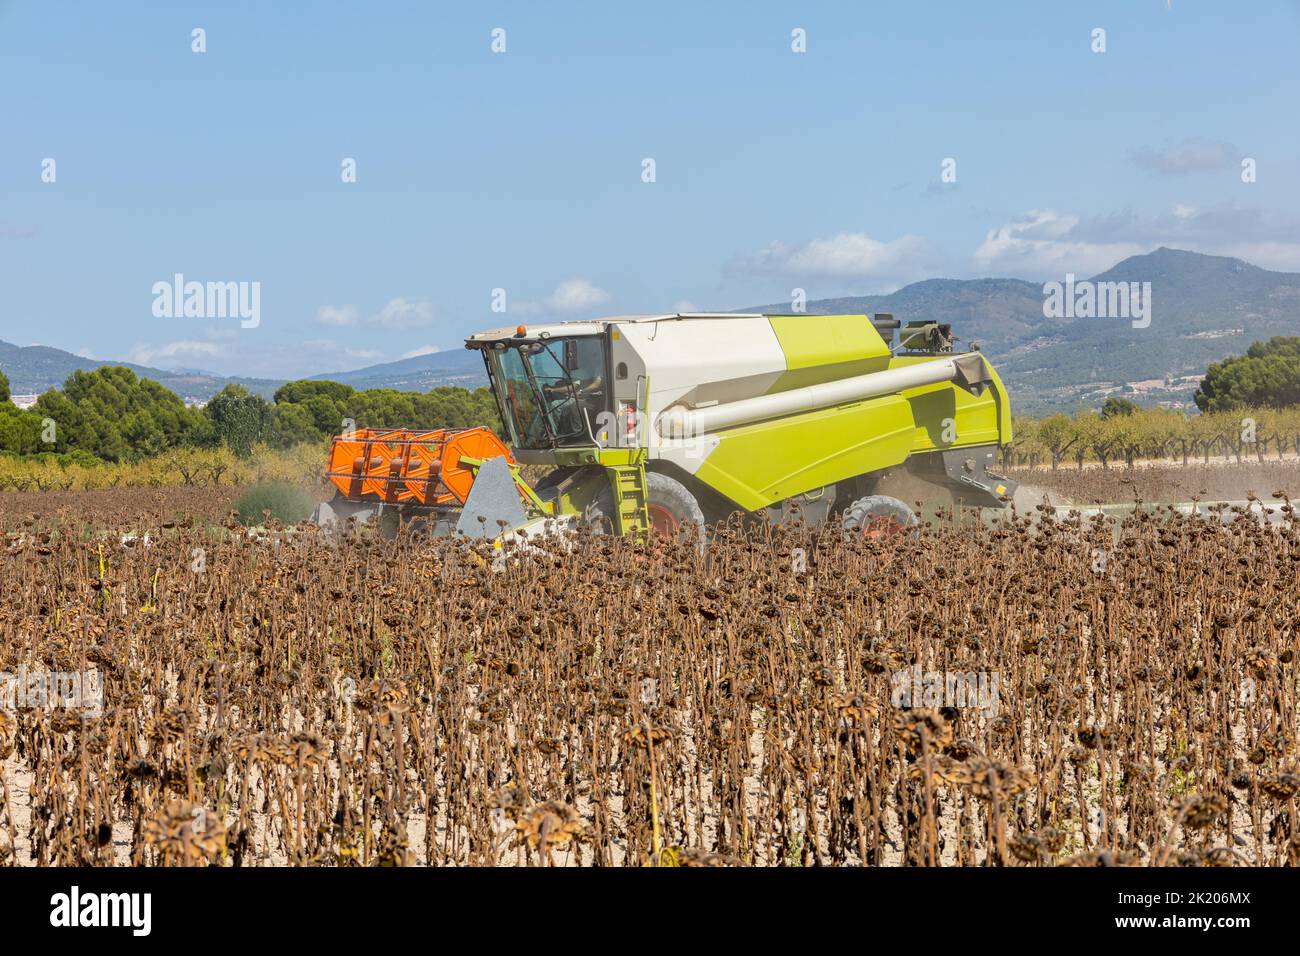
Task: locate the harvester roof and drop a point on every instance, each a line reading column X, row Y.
column 589, row 326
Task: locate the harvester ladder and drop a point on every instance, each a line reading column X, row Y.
column 631, row 513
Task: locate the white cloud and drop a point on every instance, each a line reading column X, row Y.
column 1192, row 155
column 328, row 350
column 404, row 314
column 685, row 305
column 422, row 350
column 399, row 313
column 1043, row 243
column 573, row 295
column 1279, row 256
column 848, row 255
column 173, row 352
column 338, row 315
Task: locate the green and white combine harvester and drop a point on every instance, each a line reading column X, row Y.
column 656, row 423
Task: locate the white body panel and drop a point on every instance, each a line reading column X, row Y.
column 700, row 360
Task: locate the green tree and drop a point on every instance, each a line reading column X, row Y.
column 238, row 418
column 1058, row 434
column 20, row 431
column 1268, row 375
column 113, row 415
column 291, row 424
column 303, row 389
column 316, row 410
column 4, row 387
column 1114, row 405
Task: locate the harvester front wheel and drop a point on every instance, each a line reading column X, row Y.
column 671, row 506
column 874, row 516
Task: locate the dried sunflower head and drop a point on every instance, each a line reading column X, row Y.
column 8, row 734
column 694, row 856
column 993, row 776
column 1284, row 786
column 186, row 833
column 921, row 723
column 550, row 825
column 1202, row 810
column 641, row 736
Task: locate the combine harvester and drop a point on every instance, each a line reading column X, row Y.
column 655, row 423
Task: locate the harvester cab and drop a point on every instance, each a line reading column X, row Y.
column 655, row 423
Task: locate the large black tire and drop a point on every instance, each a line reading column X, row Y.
column 873, row 514
column 673, row 508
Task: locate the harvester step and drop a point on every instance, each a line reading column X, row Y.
column 629, row 487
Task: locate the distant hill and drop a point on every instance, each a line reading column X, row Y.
column 463, row 367
column 1204, row 309
column 33, row 369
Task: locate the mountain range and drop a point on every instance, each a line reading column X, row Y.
column 33, row 369
column 1203, row 309
column 419, row 373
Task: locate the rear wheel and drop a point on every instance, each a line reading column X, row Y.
column 875, row 516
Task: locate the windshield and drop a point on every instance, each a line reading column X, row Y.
column 552, row 390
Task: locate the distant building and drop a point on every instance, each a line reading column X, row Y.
column 192, row 402
column 24, row 401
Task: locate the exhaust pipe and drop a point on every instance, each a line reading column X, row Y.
column 968, row 371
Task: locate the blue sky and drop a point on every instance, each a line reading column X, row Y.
column 522, row 170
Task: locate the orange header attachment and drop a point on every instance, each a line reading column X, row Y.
column 410, row 467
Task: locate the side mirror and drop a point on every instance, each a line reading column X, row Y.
column 571, row 355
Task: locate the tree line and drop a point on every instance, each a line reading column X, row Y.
column 111, row 415
column 1124, row 433
column 1249, row 405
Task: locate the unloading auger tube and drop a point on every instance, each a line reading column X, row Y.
column 967, row 371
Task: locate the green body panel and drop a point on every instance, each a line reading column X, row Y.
column 558, row 457
column 756, row 465
column 979, row 420
column 831, row 347
column 1005, row 434
column 587, row 455
column 579, row 490
column 616, row 457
